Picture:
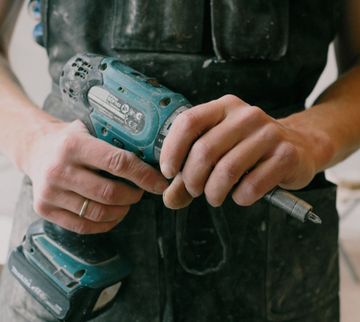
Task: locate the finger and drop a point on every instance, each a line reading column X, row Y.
column 258, row 182
column 73, row 222
column 94, row 211
column 176, row 196
column 208, row 150
column 190, row 125
column 98, row 154
column 232, row 166
column 92, row 186
column 187, row 127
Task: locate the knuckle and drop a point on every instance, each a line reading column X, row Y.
column 186, row 120
column 118, row 161
column 230, row 98
column 202, row 151
column 53, row 173
column 68, row 145
column 108, row 193
column 228, row 170
column 270, row 133
column 253, row 115
column 288, row 155
column 40, row 207
column 97, row 213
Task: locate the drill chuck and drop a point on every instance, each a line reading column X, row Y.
column 292, row 205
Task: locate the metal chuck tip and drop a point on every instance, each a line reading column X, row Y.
column 313, row 218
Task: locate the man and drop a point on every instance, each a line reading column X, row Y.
column 214, row 260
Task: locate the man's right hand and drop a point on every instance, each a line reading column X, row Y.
column 64, row 163
column 63, row 160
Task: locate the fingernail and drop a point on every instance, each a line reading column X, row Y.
column 214, row 204
column 160, row 187
column 194, row 193
column 167, row 170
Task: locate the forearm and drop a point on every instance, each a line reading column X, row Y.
column 333, row 123
column 21, row 121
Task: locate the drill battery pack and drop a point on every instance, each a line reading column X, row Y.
column 74, row 277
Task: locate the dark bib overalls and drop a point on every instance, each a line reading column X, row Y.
column 232, row 263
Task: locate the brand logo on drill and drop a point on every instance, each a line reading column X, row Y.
column 132, row 118
column 124, row 108
column 37, row 291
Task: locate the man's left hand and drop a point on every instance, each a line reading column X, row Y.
column 227, row 146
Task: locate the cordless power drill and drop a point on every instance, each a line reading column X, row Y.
column 75, row 277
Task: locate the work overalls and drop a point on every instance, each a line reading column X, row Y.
column 226, row 264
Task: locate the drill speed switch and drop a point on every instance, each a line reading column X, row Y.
column 119, row 104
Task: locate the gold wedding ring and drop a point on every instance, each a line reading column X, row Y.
column 83, row 208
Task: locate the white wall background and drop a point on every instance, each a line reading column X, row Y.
column 30, row 65
column 29, row 60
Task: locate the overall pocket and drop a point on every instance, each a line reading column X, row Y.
column 250, row 29
column 158, row 25
column 302, row 263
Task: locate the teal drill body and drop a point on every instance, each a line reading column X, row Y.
column 120, row 105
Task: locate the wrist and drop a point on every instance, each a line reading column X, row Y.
column 317, row 141
column 38, row 125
